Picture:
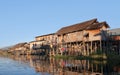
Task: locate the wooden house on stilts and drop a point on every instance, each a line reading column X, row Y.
column 82, row 38
column 43, row 45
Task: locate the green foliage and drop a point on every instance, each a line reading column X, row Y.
column 5, row 53
column 64, row 57
column 99, row 54
column 113, row 60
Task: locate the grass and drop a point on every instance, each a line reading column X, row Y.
column 98, row 55
column 65, row 56
column 93, row 57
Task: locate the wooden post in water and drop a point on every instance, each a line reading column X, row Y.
column 77, row 48
column 91, row 46
column 88, row 49
column 100, row 44
column 92, row 67
column 106, row 45
column 70, row 48
column 84, row 48
column 119, row 47
column 103, row 43
column 95, row 46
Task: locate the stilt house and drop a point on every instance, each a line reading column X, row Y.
column 82, row 38
column 43, row 43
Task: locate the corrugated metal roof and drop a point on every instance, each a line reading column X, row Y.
column 115, row 31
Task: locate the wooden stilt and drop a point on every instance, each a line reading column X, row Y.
column 106, row 46
column 92, row 68
column 91, row 46
column 88, row 64
column 96, row 66
column 88, row 49
column 119, row 47
column 108, row 43
column 70, row 49
column 77, row 48
column 95, row 46
column 102, row 69
column 101, row 45
column 84, row 48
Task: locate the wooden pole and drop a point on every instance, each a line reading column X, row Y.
column 106, row 42
column 100, row 45
column 77, row 48
column 70, row 48
column 84, row 48
column 95, row 46
column 88, row 49
column 119, row 47
column 91, row 46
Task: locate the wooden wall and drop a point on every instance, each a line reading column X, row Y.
column 92, row 35
column 116, row 37
column 80, row 36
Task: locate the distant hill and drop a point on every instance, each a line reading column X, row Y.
column 6, row 48
column 19, row 45
column 24, row 44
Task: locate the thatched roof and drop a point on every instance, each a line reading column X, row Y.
column 87, row 25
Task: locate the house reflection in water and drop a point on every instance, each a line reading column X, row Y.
column 68, row 67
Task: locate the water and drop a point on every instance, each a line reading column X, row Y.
column 38, row 65
column 16, row 67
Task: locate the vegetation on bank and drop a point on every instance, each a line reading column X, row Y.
column 98, row 55
column 92, row 57
column 4, row 53
column 111, row 58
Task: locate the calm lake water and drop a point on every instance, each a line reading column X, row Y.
column 38, row 65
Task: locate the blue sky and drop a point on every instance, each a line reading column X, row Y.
column 22, row 20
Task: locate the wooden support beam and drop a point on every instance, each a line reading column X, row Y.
column 119, row 47
column 84, row 50
column 91, row 48
column 101, row 45
column 95, row 46
column 88, row 49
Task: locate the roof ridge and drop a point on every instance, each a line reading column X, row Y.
column 95, row 19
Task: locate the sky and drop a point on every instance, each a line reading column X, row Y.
column 23, row 20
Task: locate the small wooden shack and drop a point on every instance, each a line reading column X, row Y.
column 82, row 38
